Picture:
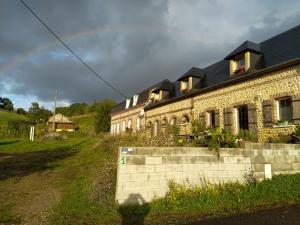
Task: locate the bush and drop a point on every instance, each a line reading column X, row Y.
column 296, row 134
column 218, row 138
column 197, row 128
column 246, row 135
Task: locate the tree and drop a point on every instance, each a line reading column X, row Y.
column 37, row 113
column 103, row 118
column 21, row 111
column 79, row 109
column 6, row 104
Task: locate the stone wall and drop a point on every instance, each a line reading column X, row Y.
column 144, row 173
column 285, row 82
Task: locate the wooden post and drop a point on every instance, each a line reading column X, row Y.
column 54, row 111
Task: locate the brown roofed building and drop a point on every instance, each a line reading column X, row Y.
column 62, row 123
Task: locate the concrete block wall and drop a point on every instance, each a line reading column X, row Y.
column 145, row 172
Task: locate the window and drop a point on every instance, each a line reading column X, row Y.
column 184, row 85
column 138, row 123
column 242, row 117
column 285, row 109
column 173, row 121
column 240, row 64
column 112, row 129
column 211, row 119
column 135, row 99
column 127, row 103
column 118, row 128
column 155, row 128
column 124, row 126
column 129, row 123
column 185, row 119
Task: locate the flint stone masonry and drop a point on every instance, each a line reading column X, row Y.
column 145, row 173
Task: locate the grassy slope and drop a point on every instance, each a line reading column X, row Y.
column 65, row 182
column 73, row 182
column 85, row 122
column 5, row 116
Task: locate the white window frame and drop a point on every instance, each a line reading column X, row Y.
column 155, row 128
column 124, row 126
column 127, row 103
column 135, row 99
column 118, row 128
column 138, row 123
column 111, row 128
column 278, row 107
column 129, row 123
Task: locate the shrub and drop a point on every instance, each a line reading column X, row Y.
column 296, row 134
column 197, row 128
column 246, row 135
column 218, row 138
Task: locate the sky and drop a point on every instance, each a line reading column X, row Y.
column 131, row 43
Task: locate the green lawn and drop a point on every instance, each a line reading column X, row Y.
column 6, row 116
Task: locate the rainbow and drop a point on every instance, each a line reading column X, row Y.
column 87, row 33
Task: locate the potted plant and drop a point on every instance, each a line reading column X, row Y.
column 282, row 123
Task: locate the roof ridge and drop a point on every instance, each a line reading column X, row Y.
column 282, row 33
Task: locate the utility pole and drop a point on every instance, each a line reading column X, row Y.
column 54, row 111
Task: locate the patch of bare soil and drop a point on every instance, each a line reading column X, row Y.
column 32, row 196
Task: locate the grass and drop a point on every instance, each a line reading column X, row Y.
column 85, row 122
column 73, row 182
column 6, row 116
column 78, row 170
column 182, row 202
column 14, row 145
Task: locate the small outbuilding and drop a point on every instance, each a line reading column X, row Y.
column 62, row 123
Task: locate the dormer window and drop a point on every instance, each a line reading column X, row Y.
column 185, row 85
column 135, row 99
column 127, row 103
column 154, row 97
column 240, row 64
column 192, row 79
column 247, row 57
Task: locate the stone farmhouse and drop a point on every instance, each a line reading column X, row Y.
column 256, row 87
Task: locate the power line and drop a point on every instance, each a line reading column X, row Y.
column 70, row 50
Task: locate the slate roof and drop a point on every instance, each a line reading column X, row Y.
column 246, row 46
column 193, row 72
column 143, row 96
column 277, row 50
column 165, row 85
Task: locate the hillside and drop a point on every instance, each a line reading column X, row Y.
column 85, row 122
column 6, row 116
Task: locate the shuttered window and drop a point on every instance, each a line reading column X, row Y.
column 285, row 109
column 267, row 113
column 243, row 122
column 211, row 119
column 296, row 108
column 228, row 124
column 252, row 117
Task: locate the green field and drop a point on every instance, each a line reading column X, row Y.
column 85, row 122
column 6, row 116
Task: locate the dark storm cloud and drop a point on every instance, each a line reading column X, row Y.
column 132, row 43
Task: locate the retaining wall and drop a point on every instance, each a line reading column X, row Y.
column 145, row 172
